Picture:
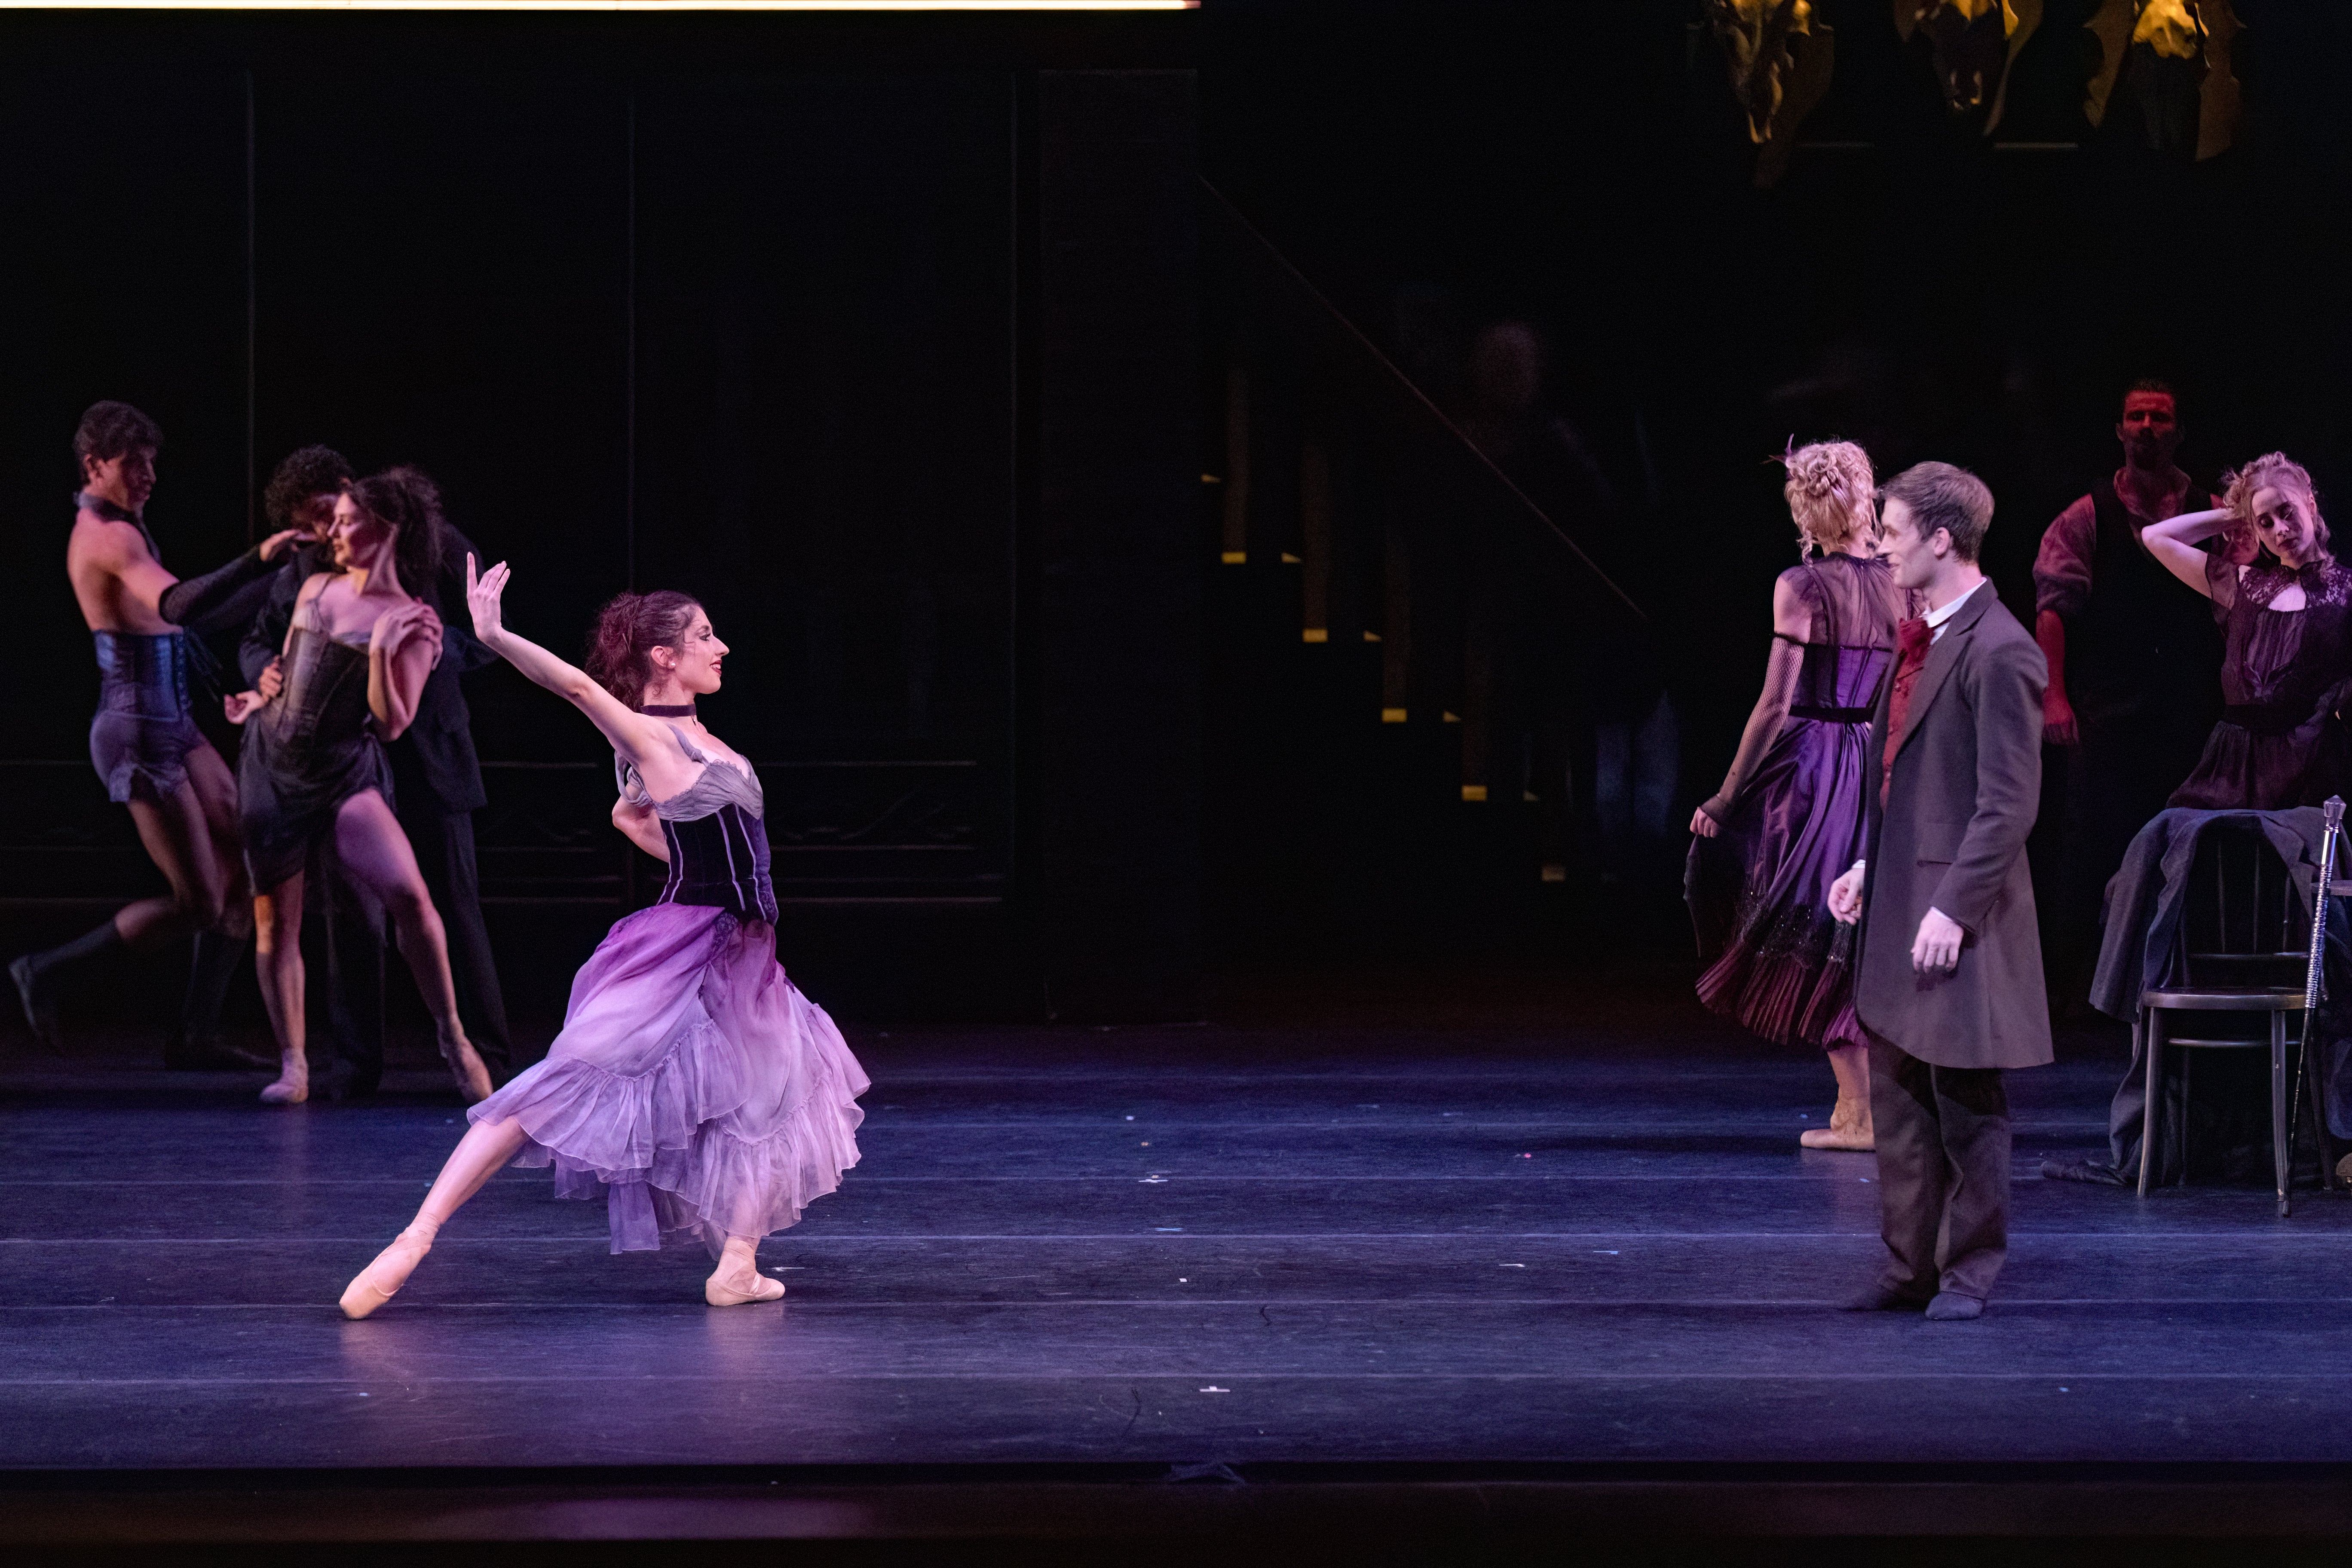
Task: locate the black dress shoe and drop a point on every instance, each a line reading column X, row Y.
column 1880, row 1299
column 2098, row 1173
column 183, row 1054
column 1948, row 1307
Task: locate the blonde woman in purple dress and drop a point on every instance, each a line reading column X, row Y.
column 1787, row 821
column 693, row 1087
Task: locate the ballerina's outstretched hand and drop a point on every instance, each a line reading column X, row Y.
column 483, row 596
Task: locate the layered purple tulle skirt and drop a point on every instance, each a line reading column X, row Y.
column 693, row 1087
column 1776, row 960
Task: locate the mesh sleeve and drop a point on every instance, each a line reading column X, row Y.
column 193, row 601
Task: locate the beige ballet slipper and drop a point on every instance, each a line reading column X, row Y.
column 1849, row 1131
column 293, row 1085
column 380, row 1280
column 738, row 1280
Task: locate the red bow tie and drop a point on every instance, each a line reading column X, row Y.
column 1912, row 638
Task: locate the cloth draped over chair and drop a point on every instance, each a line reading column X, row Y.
column 2147, row 902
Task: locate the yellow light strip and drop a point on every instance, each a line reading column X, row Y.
column 598, row 5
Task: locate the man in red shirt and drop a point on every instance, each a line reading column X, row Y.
column 2135, row 667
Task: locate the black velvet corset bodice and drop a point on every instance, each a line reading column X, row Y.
column 718, row 837
column 142, row 673
column 324, row 701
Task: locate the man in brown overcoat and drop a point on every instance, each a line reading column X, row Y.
column 1948, row 981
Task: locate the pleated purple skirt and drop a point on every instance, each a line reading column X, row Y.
column 1777, row 963
column 693, row 1087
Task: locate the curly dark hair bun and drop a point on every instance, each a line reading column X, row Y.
column 628, row 629
column 407, row 499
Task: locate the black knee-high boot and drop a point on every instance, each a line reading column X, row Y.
column 40, row 977
column 197, row 1045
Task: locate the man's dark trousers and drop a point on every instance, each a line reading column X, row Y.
column 1943, row 1138
column 1947, row 833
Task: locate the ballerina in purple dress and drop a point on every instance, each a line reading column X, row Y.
column 692, row 1086
column 1787, row 821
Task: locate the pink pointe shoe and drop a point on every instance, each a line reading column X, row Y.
column 380, row 1280
column 740, row 1289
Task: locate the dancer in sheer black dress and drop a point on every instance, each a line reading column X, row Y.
column 439, row 788
column 356, row 659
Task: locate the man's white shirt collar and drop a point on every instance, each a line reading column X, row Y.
column 1935, row 619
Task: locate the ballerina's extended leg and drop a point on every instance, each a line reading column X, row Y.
column 484, row 1150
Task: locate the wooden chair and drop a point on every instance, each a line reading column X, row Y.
column 2242, row 952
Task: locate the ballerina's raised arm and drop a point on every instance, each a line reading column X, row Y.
column 648, row 746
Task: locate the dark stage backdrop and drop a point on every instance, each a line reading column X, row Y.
column 1911, row 283
column 757, row 311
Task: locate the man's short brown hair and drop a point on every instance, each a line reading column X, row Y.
column 1940, row 495
column 108, row 430
column 2151, row 385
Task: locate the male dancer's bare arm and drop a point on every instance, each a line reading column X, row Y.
column 2058, row 725
column 118, row 583
column 2063, row 585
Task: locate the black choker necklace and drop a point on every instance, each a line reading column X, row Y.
column 668, row 710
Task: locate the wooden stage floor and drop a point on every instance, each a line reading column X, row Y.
column 1276, row 1247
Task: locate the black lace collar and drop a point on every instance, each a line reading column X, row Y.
column 105, row 508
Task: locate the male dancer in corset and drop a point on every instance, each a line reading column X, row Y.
column 145, row 745
column 1949, row 984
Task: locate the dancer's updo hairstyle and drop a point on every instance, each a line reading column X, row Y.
column 406, row 499
column 2273, row 471
column 628, row 629
column 1831, row 494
